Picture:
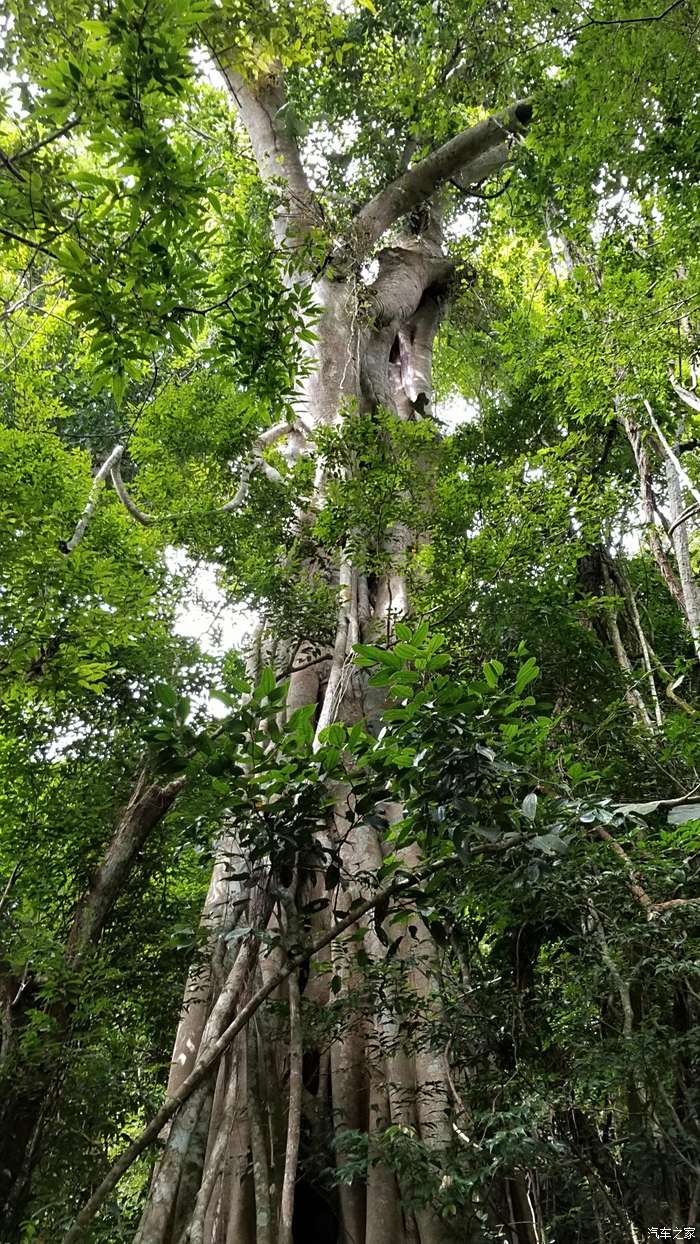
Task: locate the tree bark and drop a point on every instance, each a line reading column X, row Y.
column 145, row 809
column 679, row 537
column 218, row 1047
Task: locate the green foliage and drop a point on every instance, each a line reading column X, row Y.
column 155, row 234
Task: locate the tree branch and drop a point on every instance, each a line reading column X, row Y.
column 144, row 519
column 36, row 246
column 650, row 908
column 147, row 806
column 11, row 881
column 466, row 154
column 672, row 457
column 636, row 889
column 631, row 21
column 689, row 512
column 89, row 510
column 111, row 467
column 296, row 1082
column 257, row 463
column 45, row 142
column 403, row 277
column 648, row 500
column 685, row 395
column 264, row 111
column 473, row 193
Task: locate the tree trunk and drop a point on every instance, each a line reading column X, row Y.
column 679, row 536
column 386, row 363
column 684, row 593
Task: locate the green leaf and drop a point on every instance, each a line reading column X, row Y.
column 300, row 724
column 529, row 806
column 550, row 844
column 419, row 635
column 267, row 683
column 526, row 674
column 369, row 654
column 490, row 673
column 167, row 696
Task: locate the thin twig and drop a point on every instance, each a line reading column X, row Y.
column 36, row 246
column 44, row 142
column 11, row 881
column 629, row 21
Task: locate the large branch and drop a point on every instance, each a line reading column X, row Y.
column 111, row 467
column 467, row 155
column 403, row 277
column 264, row 111
column 91, row 502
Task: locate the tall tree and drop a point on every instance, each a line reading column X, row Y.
column 371, row 353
